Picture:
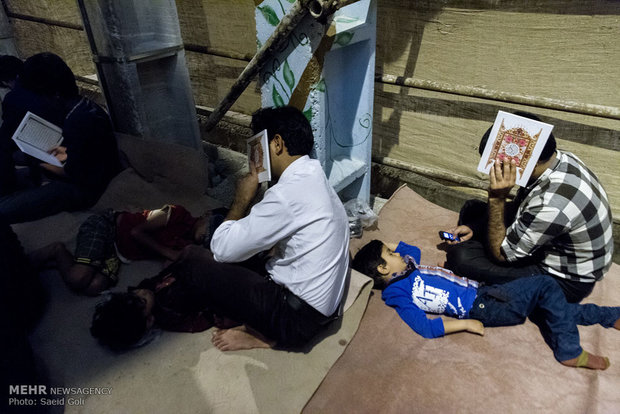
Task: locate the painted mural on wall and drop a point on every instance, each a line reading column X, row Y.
column 327, row 71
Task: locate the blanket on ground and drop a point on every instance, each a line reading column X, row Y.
column 388, row 368
column 176, row 372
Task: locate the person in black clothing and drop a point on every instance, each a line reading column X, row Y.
column 47, row 88
column 10, row 68
column 22, row 302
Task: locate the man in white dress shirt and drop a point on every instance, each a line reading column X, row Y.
column 302, row 223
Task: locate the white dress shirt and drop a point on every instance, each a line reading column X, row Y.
column 304, row 219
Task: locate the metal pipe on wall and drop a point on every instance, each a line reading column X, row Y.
column 475, row 92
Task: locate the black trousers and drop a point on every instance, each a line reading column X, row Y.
column 469, row 259
column 250, row 297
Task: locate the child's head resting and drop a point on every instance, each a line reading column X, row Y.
column 123, row 320
column 378, row 262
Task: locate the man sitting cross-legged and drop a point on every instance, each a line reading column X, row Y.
column 301, row 223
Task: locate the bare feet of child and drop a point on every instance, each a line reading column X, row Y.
column 617, row 324
column 588, row 360
column 238, row 338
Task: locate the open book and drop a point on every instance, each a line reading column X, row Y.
column 258, row 152
column 515, row 138
column 35, row 136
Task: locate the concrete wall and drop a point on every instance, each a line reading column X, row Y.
column 468, row 58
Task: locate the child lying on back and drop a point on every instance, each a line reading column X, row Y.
column 106, row 239
column 413, row 290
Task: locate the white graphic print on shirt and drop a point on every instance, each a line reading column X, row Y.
column 429, row 298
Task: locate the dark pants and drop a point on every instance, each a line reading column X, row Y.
column 469, row 259
column 246, row 296
column 511, row 303
column 38, row 202
column 22, row 302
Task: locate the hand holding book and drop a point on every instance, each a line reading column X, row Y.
column 502, row 178
column 37, row 137
column 514, row 140
column 258, row 154
column 60, row 153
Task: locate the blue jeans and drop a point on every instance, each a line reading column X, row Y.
column 38, row 202
column 511, row 303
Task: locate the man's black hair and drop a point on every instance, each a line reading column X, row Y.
column 368, row 259
column 548, row 150
column 290, row 123
column 10, row 68
column 47, row 74
column 119, row 322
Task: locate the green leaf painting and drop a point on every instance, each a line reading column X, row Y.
column 308, row 114
column 289, row 76
column 270, row 15
column 343, row 38
column 320, row 86
column 276, row 97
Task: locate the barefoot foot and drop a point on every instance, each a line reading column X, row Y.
column 238, row 338
column 617, row 324
column 588, row 360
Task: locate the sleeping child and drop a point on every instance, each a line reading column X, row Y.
column 414, row 290
column 107, row 239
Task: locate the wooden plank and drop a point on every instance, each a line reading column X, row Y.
column 71, row 45
column 61, row 10
column 212, row 77
column 536, row 52
column 226, row 25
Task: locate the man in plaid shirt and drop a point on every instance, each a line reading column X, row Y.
column 560, row 224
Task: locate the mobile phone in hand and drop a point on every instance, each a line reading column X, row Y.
column 444, row 235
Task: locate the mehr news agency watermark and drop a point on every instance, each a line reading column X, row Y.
column 42, row 395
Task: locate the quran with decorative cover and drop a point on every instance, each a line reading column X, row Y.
column 37, row 137
column 515, row 138
column 258, row 152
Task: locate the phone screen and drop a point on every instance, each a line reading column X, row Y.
column 444, row 235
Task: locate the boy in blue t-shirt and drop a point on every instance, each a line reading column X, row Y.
column 414, row 290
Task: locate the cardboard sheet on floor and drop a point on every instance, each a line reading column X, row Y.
column 177, row 372
column 388, row 368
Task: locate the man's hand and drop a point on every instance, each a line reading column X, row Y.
column 247, row 186
column 502, row 178
column 60, row 153
column 463, row 232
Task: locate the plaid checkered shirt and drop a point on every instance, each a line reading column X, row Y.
column 566, row 213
